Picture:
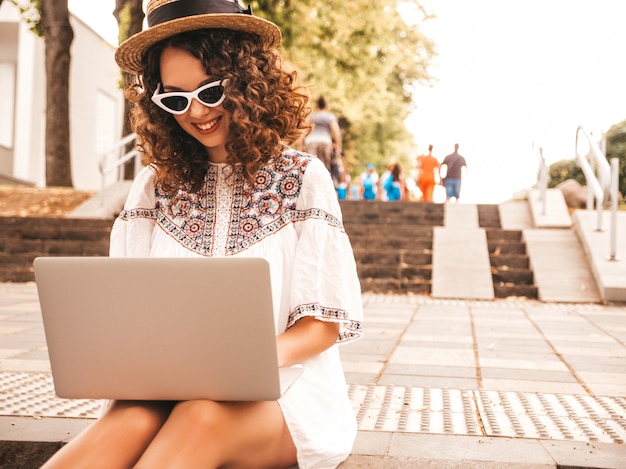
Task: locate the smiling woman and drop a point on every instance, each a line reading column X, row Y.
column 215, row 110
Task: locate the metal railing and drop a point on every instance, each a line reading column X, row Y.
column 602, row 186
column 542, row 179
column 112, row 161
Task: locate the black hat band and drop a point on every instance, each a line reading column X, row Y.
column 184, row 8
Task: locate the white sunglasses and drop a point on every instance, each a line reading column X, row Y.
column 178, row 102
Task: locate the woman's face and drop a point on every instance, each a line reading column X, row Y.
column 181, row 71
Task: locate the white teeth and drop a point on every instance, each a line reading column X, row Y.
column 209, row 125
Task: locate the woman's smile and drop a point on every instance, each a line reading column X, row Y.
column 208, row 127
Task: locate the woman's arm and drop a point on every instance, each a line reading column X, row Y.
column 305, row 339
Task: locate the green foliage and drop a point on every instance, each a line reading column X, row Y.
column 31, row 14
column 616, row 148
column 563, row 170
column 366, row 60
column 124, row 22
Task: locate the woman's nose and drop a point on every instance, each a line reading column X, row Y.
column 197, row 108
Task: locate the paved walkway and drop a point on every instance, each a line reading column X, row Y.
column 435, row 383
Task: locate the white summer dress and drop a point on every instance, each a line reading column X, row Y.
column 293, row 219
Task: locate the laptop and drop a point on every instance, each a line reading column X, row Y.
column 161, row 328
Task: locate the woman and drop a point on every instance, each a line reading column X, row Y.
column 394, row 184
column 214, row 107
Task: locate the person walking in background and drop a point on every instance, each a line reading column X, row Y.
column 343, row 186
column 382, row 195
column 369, row 182
column 452, row 172
column 394, row 184
column 428, row 176
column 324, row 141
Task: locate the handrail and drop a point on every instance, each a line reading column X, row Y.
column 598, row 187
column 542, row 179
column 119, row 160
column 603, row 188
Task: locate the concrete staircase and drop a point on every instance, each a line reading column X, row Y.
column 393, row 247
column 392, row 244
column 452, row 251
column 510, row 267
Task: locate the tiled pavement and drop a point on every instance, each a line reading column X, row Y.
column 434, row 383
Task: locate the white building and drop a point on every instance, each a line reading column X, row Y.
column 96, row 101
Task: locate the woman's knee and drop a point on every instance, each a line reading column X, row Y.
column 139, row 417
column 199, row 415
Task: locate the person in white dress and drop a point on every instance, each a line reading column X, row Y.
column 215, row 109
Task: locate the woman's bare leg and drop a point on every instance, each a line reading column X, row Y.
column 208, row 434
column 116, row 440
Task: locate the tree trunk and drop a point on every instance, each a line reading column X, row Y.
column 58, row 35
column 129, row 15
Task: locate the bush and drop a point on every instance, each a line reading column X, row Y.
column 564, row 170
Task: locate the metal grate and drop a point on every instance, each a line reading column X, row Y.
column 490, row 413
column 32, row 395
column 398, row 409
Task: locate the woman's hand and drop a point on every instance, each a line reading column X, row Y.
column 305, row 339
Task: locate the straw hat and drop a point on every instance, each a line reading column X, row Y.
column 169, row 17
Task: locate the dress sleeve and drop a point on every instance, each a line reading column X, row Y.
column 325, row 284
column 131, row 235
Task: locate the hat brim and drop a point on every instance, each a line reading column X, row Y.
column 129, row 54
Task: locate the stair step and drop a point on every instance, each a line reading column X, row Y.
column 509, row 260
column 504, row 235
column 392, row 256
column 488, row 216
column 25, row 238
column 366, row 229
column 395, row 286
column 497, row 248
column 514, row 291
column 515, row 276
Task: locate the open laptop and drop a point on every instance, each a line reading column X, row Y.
column 161, row 328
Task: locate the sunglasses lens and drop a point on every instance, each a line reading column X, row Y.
column 175, row 103
column 211, row 95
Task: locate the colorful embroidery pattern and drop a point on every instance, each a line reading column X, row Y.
column 255, row 212
column 137, row 213
column 350, row 329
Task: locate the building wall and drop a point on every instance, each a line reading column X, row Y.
column 96, row 101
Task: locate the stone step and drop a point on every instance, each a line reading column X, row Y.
column 488, row 216
column 500, row 235
column 393, row 256
column 409, row 213
column 496, row 247
column 395, row 286
column 515, row 291
column 408, row 272
column 357, row 228
column 24, row 239
column 397, row 243
column 511, row 271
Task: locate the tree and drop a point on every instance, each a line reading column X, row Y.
column 366, row 59
column 50, row 19
column 129, row 15
column 58, row 36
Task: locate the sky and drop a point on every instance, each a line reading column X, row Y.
column 509, row 77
